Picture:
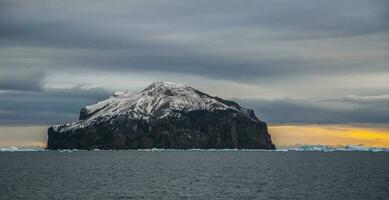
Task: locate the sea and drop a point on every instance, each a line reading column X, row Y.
column 194, row 174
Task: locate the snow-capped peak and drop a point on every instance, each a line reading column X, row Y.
column 158, row 100
column 166, row 85
column 167, row 88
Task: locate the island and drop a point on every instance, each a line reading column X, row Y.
column 165, row 115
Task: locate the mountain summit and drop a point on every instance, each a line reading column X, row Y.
column 158, row 100
column 164, row 115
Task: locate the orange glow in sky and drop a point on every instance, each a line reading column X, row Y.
column 332, row 135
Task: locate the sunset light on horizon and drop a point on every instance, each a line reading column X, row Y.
column 283, row 135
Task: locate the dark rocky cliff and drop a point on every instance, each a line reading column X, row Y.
column 164, row 115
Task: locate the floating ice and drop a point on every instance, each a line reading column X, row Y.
column 13, row 149
column 325, row 148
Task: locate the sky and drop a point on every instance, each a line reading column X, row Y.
column 295, row 62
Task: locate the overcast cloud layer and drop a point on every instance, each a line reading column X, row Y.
column 293, row 61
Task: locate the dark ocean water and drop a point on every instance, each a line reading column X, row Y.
column 194, row 175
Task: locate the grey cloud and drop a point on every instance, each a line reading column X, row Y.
column 76, row 19
column 122, row 36
column 253, row 42
column 21, row 79
column 47, row 106
column 359, row 109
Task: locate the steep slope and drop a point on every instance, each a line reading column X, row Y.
column 164, row 115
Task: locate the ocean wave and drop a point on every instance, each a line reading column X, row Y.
column 319, row 148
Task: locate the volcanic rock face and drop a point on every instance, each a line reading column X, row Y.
column 164, row 115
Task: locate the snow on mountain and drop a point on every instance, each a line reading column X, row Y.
column 158, row 100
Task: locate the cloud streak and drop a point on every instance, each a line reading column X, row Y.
column 196, row 38
column 292, row 48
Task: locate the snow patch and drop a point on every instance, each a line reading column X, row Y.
column 159, row 100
